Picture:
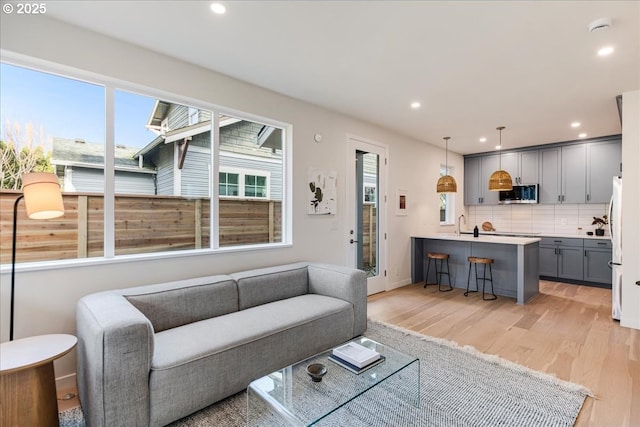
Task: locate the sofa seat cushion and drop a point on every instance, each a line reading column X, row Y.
column 195, row 365
column 184, row 344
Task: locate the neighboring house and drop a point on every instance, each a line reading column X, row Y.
column 178, row 161
column 250, row 154
column 80, row 166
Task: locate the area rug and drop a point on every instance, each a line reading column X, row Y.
column 459, row 386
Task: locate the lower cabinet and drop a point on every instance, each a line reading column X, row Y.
column 580, row 260
column 561, row 258
column 597, row 254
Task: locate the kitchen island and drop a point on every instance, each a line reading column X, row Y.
column 515, row 268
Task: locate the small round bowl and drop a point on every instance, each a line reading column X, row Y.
column 316, row 371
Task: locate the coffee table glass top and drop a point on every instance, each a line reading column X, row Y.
column 290, row 394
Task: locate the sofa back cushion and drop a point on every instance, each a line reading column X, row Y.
column 173, row 304
column 265, row 285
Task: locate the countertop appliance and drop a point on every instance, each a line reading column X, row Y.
column 527, row 193
column 615, row 231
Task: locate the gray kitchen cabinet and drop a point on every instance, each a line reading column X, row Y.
column 548, row 260
column 604, row 161
column 550, row 190
column 477, row 171
column 472, row 181
column 490, row 164
column 574, row 172
column 561, row 258
column 597, row 254
column 570, row 262
column 522, row 166
column 563, row 174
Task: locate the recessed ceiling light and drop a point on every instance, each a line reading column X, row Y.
column 483, row 139
column 607, row 50
column 415, row 105
column 498, row 147
column 575, row 124
column 582, row 135
column 218, row 8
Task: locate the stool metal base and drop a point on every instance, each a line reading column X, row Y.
column 484, row 279
column 439, row 274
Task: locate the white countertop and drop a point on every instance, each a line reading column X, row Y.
column 525, row 234
column 503, row 240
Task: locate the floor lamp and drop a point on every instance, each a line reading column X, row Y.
column 43, row 200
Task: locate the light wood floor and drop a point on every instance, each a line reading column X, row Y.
column 566, row 331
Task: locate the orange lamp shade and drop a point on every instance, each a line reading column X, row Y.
column 42, row 195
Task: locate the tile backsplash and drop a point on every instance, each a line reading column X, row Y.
column 553, row 219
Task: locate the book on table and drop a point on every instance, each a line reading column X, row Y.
column 335, row 359
column 356, row 354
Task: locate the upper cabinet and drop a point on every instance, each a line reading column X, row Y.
column 604, row 161
column 522, row 166
column 566, row 173
column 574, row 169
column 477, row 171
column 579, row 173
column 563, row 173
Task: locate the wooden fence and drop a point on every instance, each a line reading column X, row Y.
column 369, row 234
column 146, row 224
column 142, row 224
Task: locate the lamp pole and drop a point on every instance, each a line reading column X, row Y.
column 13, row 263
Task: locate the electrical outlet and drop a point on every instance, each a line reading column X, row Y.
column 563, row 221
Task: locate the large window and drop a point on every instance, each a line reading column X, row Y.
column 149, row 186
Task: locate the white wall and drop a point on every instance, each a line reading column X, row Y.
column 46, row 298
column 630, row 209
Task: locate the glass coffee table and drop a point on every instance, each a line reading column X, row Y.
column 290, row 397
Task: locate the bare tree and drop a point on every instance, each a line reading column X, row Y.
column 22, row 151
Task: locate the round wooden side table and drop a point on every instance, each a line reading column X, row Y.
column 27, row 381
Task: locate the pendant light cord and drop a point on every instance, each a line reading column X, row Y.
column 500, row 152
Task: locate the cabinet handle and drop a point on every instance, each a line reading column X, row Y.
column 601, row 244
column 557, row 241
column 563, row 197
column 585, row 252
column 588, row 197
column 559, row 198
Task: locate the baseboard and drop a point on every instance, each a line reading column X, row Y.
column 400, row 283
column 66, row 383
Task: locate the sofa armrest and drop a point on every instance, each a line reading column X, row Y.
column 348, row 284
column 115, row 348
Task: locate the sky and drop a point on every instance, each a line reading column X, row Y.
column 68, row 108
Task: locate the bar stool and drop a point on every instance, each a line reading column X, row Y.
column 475, row 261
column 439, row 273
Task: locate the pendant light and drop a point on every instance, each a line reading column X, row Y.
column 446, row 183
column 500, row 179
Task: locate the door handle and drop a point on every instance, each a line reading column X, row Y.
column 353, row 241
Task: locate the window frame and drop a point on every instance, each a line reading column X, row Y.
column 242, row 174
column 449, row 200
column 111, row 85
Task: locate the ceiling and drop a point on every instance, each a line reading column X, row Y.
column 530, row 66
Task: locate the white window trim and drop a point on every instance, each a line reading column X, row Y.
column 450, row 201
column 242, row 172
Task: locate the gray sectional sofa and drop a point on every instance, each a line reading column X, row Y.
column 150, row 355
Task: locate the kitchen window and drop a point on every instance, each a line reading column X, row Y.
column 447, row 201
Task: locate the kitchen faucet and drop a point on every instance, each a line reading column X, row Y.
column 465, row 221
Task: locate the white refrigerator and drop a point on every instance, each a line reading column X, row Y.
column 615, row 217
